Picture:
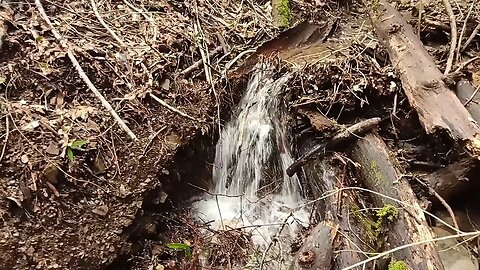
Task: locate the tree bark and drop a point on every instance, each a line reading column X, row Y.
column 378, row 172
column 438, row 108
column 347, row 240
column 453, row 179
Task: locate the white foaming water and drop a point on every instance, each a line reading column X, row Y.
column 251, row 157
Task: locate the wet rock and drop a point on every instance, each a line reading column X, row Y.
column 453, row 255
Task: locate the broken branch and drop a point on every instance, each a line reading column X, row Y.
column 81, row 73
column 348, row 134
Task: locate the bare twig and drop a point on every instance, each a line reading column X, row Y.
column 197, row 64
column 443, row 202
column 472, row 36
column 348, row 134
column 336, row 191
column 274, row 241
column 466, row 63
column 453, row 35
column 151, row 139
column 420, row 12
column 173, row 109
column 463, row 30
column 81, row 73
column 145, row 15
column 471, row 97
column 393, row 250
column 7, row 123
column 104, row 24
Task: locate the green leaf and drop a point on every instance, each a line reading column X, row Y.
column 78, row 144
column 70, row 154
column 177, row 246
column 181, row 246
column 188, row 252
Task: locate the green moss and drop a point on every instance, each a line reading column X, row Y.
column 284, row 12
column 397, row 265
column 388, row 212
column 368, row 225
column 374, row 172
column 372, row 228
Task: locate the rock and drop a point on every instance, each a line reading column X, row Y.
column 453, row 255
column 101, row 210
column 51, row 173
column 52, row 149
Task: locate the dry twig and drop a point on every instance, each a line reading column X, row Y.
column 463, row 30
column 197, row 64
column 443, row 202
column 472, row 36
column 453, row 35
column 81, row 73
column 7, row 123
column 104, row 24
column 274, row 240
column 173, row 109
column 393, row 250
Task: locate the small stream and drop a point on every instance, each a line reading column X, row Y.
column 250, row 186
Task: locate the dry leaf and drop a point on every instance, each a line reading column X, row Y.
column 52, row 149
column 101, row 210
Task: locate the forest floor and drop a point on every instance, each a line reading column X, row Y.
column 88, row 186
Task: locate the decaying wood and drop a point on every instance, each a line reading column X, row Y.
column 469, row 96
column 340, row 138
column 378, row 172
column 451, row 180
column 319, row 122
column 438, row 108
column 317, row 251
column 348, row 243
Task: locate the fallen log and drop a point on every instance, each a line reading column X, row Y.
column 316, row 251
column 340, row 138
column 453, row 179
column 378, row 171
column 438, row 108
column 347, row 240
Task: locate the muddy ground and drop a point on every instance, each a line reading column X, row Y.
column 77, row 192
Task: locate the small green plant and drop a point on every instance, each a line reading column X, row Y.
column 75, row 145
column 388, row 211
column 181, row 246
column 397, row 265
column 285, row 13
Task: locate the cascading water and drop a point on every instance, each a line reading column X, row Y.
column 251, row 187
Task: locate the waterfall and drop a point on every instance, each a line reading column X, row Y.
column 251, row 157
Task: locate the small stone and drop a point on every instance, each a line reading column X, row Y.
column 51, row 173
column 101, row 210
column 99, row 165
column 24, row 159
column 52, row 149
column 163, row 196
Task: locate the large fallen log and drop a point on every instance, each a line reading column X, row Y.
column 347, row 242
column 348, row 134
column 438, row 108
column 378, row 171
column 453, row 179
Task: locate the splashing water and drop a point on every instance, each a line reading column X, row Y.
column 251, row 157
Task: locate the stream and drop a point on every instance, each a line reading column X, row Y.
column 250, row 187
